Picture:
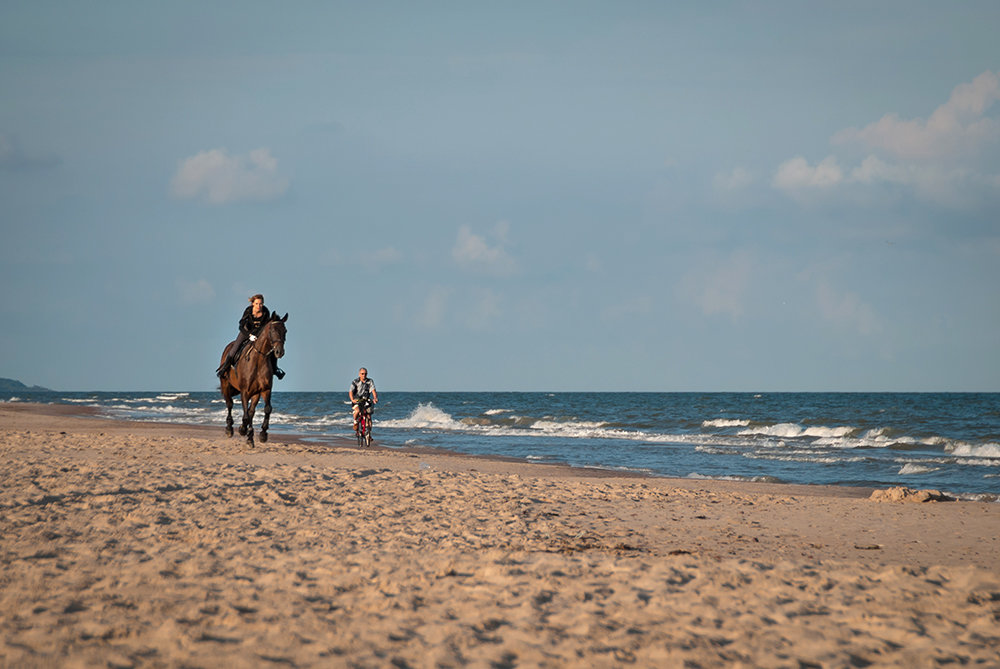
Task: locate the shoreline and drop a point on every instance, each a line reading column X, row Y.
column 808, row 500
column 133, row 544
column 347, row 442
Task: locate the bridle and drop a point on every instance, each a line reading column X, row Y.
column 260, row 352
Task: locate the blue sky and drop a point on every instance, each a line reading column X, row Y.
column 755, row 196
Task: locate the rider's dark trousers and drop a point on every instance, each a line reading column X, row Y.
column 240, row 340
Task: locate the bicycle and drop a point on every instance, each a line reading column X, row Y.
column 363, row 428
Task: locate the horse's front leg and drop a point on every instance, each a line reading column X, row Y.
column 245, row 424
column 267, row 416
column 251, row 407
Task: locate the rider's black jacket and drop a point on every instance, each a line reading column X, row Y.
column 253, row 325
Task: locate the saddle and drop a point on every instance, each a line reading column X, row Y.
column 280, row 373
column 238, row 352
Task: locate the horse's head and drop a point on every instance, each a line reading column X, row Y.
column 274, row 334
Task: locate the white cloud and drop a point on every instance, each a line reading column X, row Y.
column 943, row 159
column 955, row 187
column 195, row 292
column 474, row 252
column 874, row 170
column 956, row 129
column 218, row 178
column 797, row 174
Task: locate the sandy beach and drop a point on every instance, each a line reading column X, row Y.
column 128, row 544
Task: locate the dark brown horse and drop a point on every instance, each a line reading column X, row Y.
column 252, row 376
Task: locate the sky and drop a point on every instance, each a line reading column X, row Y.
column 526, row 196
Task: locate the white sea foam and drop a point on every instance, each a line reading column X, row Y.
column 574, row 428
column 426, row 416
column 914, row 468
column 725, row 422
column 964, row 450
column 961, row 461
column 136, row 400
column 495, row 412
column 429, row 417
column 976, row 497
column 783, row 430
column 158, row 409
column 802, row 456
column 795, row 431
column 756, row 479
column 715, row 449
column 829, row 432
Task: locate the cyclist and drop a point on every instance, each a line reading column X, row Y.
column 362, row 388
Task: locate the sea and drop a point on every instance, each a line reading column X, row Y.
column 942, row 441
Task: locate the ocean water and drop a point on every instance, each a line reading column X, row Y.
column 944, row 441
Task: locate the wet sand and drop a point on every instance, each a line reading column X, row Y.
column 129, row 544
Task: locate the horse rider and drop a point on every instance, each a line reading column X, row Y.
column 255, row 317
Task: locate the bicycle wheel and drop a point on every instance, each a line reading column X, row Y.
column 368, row 430
column 359, row 430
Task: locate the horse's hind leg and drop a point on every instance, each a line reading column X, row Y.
column 229, row 414
column 267, row 416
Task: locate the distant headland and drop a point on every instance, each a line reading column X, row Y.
column 13, row 385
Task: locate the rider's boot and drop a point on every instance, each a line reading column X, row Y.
column 280, row 373
column 224, row 367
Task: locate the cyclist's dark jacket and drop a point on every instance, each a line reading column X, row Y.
column 251, row 324
column 362, row 391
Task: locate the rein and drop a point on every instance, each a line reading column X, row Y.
column 258, row 351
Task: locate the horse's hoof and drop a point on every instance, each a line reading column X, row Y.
column 229, row 431
column 263, row 437
column 243, row 431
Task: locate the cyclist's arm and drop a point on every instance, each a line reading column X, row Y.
column 374, row 395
